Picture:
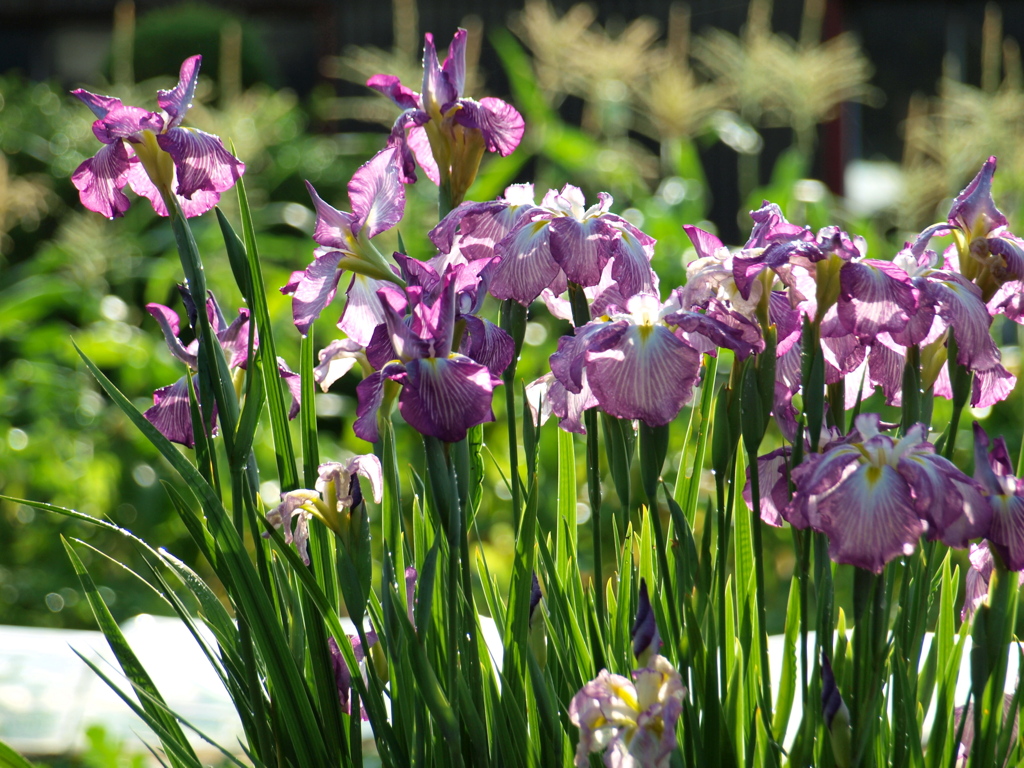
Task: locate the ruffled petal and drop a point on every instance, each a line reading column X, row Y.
column 499, row 123
column 201, row 163
column 875, row 296
column 100, row 179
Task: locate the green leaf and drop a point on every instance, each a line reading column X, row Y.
column 11, row 759
column 153, row 703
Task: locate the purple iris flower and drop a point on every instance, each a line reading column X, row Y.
column 636, row 365
column 153, row 154
column 442, row 129
column 378, row 203
column 1005, row 494
column 444, row 392
column 989, row 254
column 171, row 413
column 874, row 497
column 547, row 246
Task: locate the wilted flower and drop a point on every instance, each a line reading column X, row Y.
column 154, row 155
column 445, row 131
column 632, row 721
column 337, row 492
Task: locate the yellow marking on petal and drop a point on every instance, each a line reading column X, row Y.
column 158, row 164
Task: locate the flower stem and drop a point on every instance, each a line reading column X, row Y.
column 580, row 317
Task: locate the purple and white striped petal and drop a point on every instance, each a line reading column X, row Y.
column 443, row 398
column 646, row 373
column 100, row 179
column 316, row 289
column 363, row 311
column 177, row 101
column 172, row 415
column 773, row 484
column 418, row 143
column 1012, row 250
column 235, row 339
column 377, row 194
column 870, row 518
column 875, row 297
column 335, row 360
column 201, row 164
column 961, row 306
column 525, row 266
column 200, row 202
column 438, row 90
column 293, row 381
column 580, row 248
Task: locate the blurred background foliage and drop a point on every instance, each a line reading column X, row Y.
column 625, row 107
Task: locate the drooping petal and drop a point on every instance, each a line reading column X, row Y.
column 377, row 194
column 443, row 398
column 334, row 228
column 870, row 518
column 961, row 306
column 1006, row 533
column 773, row 485
column 631, row 262
column 487, row 344
column 948, row 500
column 177, row 101
column 168, row 320
column 172, row 415
column 580, row 248
column 316, row 289
column 200, row 202
column 499, row 123
column 100, row 179
column 293, row 381
column 201, row 163
column 419, row 144
column 335, row 360
column 978, row 575
column 646, row 373
column 1012, row 250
